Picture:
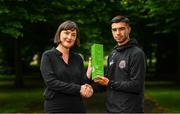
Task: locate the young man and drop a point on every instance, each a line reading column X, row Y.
column 125, row 73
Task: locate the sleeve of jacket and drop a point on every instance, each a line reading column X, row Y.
column 137, row 74
column 51, row 80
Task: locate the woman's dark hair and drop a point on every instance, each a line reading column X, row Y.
column 120, row 18
column 67, row 25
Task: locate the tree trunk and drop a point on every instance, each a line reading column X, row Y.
column 178, row 58
column 17, row 63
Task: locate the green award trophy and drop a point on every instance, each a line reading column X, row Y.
column 97, row 60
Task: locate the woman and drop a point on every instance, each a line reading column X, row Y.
column 62, row 71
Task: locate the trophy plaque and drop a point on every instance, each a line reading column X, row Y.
column 97, row 60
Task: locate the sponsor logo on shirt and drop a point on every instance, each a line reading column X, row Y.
column 113, row 54
column 111, row 62
column 122, row 64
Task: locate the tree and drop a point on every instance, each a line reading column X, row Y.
column 32, row 22
column 14, row 14
column 164, row 17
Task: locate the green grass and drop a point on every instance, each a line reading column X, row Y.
column 96, row 103
column 30, row 100
column 22, row 100
column 168, row 96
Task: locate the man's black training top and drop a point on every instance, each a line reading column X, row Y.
column 126, row 70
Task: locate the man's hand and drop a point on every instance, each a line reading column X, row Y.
column 101, row 80
column 86, row 90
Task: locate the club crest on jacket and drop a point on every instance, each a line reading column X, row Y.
column 122, row 64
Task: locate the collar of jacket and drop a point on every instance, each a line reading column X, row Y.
column 57, row 51
column 130, row 43
column 60, row 53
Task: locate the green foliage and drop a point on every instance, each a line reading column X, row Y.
column 13, row 32
column 14, row 14
column 92, row 16
column 35, row 23
column 164, row 15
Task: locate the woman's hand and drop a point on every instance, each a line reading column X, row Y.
column 89, row 69
column 86, row 90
